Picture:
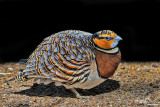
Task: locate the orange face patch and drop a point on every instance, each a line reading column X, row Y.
column 102, row 43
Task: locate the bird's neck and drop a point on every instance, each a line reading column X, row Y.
column 108, row 51
column 107, row 63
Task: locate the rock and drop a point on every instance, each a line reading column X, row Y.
column 10, row 69
column 155, row 65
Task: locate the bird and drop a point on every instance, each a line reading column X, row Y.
column 74, row 59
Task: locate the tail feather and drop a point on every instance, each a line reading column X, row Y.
column 20, row 77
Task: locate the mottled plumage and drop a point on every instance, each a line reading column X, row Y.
column 69, row 58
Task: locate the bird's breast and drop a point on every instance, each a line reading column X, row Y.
column 107, row 63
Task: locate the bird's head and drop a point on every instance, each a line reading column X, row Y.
column 106, row 40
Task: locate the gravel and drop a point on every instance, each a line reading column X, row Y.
column 133, row 84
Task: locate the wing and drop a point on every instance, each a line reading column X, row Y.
column 65, row 57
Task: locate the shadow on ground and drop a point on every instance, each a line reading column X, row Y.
column 60, row 91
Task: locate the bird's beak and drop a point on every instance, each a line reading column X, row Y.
column 118, row 38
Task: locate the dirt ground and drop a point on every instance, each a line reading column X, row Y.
column 133, row 84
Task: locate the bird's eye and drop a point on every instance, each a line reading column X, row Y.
column 107, row 38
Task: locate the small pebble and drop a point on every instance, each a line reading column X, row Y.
column 151, row 84
column 156, row 86
column 10, row 69
column 17, row 63
column 122, row 67
column 155, row 65
column 138, row 69
column 147, row 70
column 158, row 80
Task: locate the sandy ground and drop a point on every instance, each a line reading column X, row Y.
column 133, row 84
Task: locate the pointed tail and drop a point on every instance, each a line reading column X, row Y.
column 20, row 77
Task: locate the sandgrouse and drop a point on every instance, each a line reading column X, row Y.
column 74, row 59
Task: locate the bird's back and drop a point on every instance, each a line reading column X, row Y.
column 64, row 57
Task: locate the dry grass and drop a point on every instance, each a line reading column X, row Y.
column 134, row 84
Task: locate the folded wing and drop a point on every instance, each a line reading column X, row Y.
column 65, row 57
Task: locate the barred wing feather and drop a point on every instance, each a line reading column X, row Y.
column 65, row 57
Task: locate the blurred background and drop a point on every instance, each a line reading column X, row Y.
column 24, row 24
